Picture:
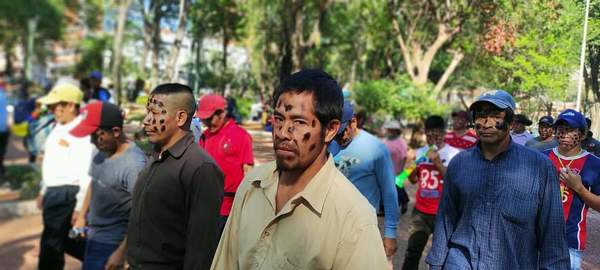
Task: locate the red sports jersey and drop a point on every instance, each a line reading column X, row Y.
column 465, row 141
column 231, row 148
column 430, row 181
column 575, row 209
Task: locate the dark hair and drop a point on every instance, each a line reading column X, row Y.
column 328, row 99
column 188, row 103
column 435, row 122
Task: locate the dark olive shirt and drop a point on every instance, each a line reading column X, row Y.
column 175, row 211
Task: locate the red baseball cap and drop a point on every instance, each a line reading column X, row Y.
column 98, row 115
column 209, row 104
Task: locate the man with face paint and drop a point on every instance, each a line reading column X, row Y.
column 546, row 138
column 227, row 143
column 501, row 206
column 174, row 221
column 366, row 162
column 300, row 212
column 114, row 171
column 579, row 179
column 518, row 132
column 65, row 177
column 461, row 136
column 433, row 159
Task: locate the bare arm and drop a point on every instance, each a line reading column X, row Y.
column 117, row 258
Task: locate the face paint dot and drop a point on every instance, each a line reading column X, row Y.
column 163, row 128
column 313, row 123
column 161, row 104
column 154, row 121
column 288, row 107
column 306, row 136
column 312, row 147
column 155, row 128
column 163, row 111
column 162, row 121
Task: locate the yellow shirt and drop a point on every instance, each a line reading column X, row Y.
column 328, row 225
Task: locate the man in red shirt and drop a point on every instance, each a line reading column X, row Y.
column 461, row 136
column 227, row 143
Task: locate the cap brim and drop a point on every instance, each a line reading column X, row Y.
column 83, row 130
column 343, row 126
column 47, row 100
column 497, row 103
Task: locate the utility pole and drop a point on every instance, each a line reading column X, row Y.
column 31, row 29
column 582, row 56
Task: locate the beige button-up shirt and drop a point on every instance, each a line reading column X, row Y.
column 328, row 225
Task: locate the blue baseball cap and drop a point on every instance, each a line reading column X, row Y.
column 572, row 117
column 499, row 98
column 347, row 114
column 96, row 75
column 546, row 119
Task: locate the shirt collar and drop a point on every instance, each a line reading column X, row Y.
column 511, row 146
column 315, row 191
column 179, row 147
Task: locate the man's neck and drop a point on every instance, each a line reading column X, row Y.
column 69, row 118
column 176, row 137
column 460, row 132
column 490, row 151
column 293, row 182
column 569, row 152
column 121, row 148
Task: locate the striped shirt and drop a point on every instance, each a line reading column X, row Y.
column 574, row 208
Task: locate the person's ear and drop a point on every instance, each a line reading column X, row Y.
column 116, row 131
column 181, row 118
column 331, row 130
column 353, row 122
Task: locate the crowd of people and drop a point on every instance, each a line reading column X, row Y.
column 489, row 193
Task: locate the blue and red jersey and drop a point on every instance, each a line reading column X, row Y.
column 588, row 167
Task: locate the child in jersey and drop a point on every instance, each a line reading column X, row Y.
column 431, row 163
column 579, row 173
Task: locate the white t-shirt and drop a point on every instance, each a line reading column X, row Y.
column 446, row 154
column 67, row 160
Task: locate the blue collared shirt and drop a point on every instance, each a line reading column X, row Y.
column 503, row 213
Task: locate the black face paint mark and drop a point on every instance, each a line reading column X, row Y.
column 162, row 121
column 163, row 128
column 313, row 123
column 154, row 121
column 288, row 107
column 278, row 104
column 163, row 112
column 155, row 128
column 502, row 125
column 306, row 137
column 312, row 147
column 161, row 104
column 291, row 130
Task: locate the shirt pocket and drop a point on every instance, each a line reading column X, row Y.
column 519, row 208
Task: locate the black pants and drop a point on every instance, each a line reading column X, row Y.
column 58, row 206
column 4, row 136
column 421, row 226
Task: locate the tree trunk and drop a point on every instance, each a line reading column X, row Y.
column 156, row 41
column 170, row 71
column 457, row 57
column 224, row 29
column 118, row 46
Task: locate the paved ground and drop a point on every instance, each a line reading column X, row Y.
column 19, row 236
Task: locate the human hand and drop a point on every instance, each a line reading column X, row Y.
column 571, row 179
column 116, row 260
column 389, row 245
column 434, row 156
column 74, row 218
column 39, row 201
